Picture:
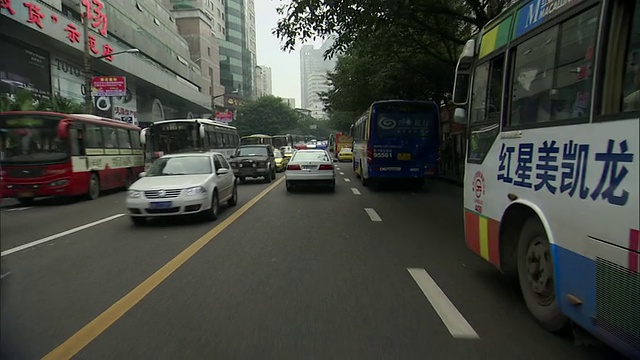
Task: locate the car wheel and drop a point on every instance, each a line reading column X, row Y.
column 211, row 214
column 137, row 220
column 333, row 187
column 28, row 201
column 536, row 275
column 267, row 178
column 241, row 178
column 234, row 198
column 94, row 187
column 289, row 186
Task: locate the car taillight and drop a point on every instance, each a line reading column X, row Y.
column 294, row 167
column 369, row 154
column 326, row 167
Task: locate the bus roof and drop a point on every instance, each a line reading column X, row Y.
column 403, row 101
column 81, row 117
column 203, row 121
column 257, row 135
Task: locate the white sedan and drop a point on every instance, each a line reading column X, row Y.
column 181, row 184
column 310, row 167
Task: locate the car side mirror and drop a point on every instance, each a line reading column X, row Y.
column 231, row 156
column 142, row 174
column 222, row 171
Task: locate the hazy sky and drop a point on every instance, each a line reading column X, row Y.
column 285, row 67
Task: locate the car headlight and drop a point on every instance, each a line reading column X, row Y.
column 134, row 194
column 196, row 190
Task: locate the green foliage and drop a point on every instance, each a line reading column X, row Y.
column 321, row 128
column 267, row 115
column 24, row 100
column 400, row 49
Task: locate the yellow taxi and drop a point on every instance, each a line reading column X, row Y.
column 281, row 160
column 345, row 154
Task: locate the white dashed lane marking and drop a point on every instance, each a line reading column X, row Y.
column 373, row 215
column 449, row 314
column 355, row 191
column 347, row 180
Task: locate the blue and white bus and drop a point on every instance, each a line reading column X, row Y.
column 397, row 139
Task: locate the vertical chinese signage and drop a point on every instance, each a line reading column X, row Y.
column 25, row 68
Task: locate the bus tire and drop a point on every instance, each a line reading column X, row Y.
column 363, row 180
column 536, row 276
column 128, row 179
column 94, row 187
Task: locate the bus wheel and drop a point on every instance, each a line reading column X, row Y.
column 363, row 180
column 94, row 187
column 536, row 275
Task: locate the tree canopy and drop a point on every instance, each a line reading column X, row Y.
column 266, row 115
column 386, row 49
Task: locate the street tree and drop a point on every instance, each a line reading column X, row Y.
column 267, row 115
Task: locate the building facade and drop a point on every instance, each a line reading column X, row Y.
column 257, row 82
column 267, row 86
column 313, row 76
column 46, row 41
column 238, row 49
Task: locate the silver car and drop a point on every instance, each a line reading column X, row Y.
column 181, row 184
column 310, row 167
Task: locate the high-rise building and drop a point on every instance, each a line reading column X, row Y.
column 313, row 76
column 267, row 86
column 238, row 49
column 257, row 82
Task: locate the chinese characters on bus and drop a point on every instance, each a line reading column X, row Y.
column 93, row 10
column 562, row 169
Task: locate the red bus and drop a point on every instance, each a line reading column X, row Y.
column 53, row 154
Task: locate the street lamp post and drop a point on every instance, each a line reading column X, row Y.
column 88, row 101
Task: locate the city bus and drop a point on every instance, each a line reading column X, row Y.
column 551, row 97
column 180, row 135
column 282, row 141
column 397, row 139
column 52, row 154
column 256, row 139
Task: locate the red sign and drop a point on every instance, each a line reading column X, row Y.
column 109, row 86
column 226, row 116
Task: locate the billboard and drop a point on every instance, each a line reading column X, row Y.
column 109, row 86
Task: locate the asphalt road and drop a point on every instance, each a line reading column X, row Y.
column 305, row 275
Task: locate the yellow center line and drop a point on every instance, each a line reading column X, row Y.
column 102, row 322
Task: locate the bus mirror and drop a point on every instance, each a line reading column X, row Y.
column 143, row 136
column 63, row 129
column 460, row 116
column 202, row 131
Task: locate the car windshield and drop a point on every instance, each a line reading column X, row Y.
column 31, row 139
column 252, row 151
column 180, row 165
column 311, row 156
column 346, row 150
column 277, row 154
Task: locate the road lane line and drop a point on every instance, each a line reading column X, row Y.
column 347, row 180
column 355, row 191
column 19, row 209
column 97, row 326
column 373, row 215
column 59, row 235
column 449, row 314
column 341, row 173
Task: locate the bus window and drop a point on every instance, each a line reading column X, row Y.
column 110, row 137
column 533, row 79
column 93, row 136
column 571, row 93
column 479, row 94
column 213, row 140
column 135, row 140
column 631, row 84
column 123, row 139
column 496, row 79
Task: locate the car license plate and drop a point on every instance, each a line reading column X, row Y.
column 160, row 205
column 308, row 167
column 26, row 195
column 404, row 156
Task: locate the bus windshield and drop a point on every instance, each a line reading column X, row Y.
column 175, row 137
column 405, row 120
column 280, row 141
column 31, row 139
